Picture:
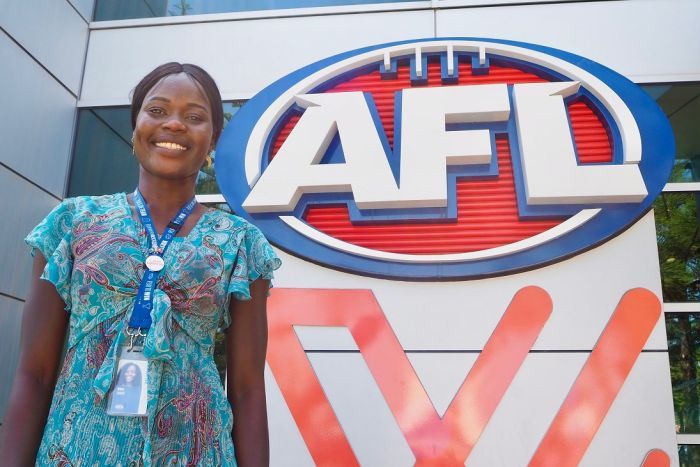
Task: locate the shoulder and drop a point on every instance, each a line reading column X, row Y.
column 243, row 237
column 71, row 211
column 95, row 208
column 95, row 204
column 238, row 226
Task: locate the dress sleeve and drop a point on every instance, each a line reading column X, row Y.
column 52, row 237
column 254, row 259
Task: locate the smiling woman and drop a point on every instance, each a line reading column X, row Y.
column 146, row 277
column 174, row 130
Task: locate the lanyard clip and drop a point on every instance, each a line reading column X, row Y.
column 134, row 335
column 155, row 250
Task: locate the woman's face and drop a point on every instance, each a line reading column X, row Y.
column 130, row 374
column 174, row 130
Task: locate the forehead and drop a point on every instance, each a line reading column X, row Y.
column 179, row 86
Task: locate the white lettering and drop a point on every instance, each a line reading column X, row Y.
column 295, row 169
column 550, row 168
column 427, row 148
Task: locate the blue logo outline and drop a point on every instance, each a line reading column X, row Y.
column 658, row 152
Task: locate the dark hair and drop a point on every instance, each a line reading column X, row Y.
column 198, row 74
column 121, row 377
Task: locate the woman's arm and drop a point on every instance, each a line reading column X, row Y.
column 44, row 322
column 246, row 345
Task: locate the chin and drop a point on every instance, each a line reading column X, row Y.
column 167, row 172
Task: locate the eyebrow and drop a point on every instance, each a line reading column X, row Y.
column 190, row 104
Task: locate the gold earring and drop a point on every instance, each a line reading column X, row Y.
column 209, row 160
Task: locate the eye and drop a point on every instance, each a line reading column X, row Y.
column 155, row 111
column 195, row 118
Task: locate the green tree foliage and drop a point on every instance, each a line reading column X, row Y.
column 678, row 238
column 677, row 235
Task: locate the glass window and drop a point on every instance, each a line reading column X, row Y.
column 683, row 331
column 678, row 240
column 677, row 215
column 681, row 103
column 689, row 455
column 103, row 162
column 128, row 9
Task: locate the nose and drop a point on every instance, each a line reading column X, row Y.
column 174, row 123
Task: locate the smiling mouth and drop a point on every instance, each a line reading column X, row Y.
column 169, row 145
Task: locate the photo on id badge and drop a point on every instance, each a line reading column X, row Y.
column 128, row 394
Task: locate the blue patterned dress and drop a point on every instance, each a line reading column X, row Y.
column 95, row 258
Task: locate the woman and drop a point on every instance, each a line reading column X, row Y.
column 90, row 278
column 126, row 394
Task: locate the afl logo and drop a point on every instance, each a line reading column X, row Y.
column 445, row 158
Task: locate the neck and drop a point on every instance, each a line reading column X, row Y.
column 165, row 195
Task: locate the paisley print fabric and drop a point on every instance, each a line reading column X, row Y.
column 95, row 254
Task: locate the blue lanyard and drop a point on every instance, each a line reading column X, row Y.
column 141, row 315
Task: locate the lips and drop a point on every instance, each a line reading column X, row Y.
column 170, row 145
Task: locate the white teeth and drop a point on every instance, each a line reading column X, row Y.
column 168, row 145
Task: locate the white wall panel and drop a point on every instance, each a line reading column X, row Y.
column 462, row 315
column 85, row 7
column 36, row 125
column 10, row 319
column 287, row 447
column 22, row 208
column 362, row 411
column 637, row 421
column 53, row 32
column 243, row 56
column 527, row 409
column 645, row 40
column 625, row 430
column 442, row 374
column 642, row 411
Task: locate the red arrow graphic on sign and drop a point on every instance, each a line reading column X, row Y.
column 434, row 441
column 449, row 440
column 600, row 381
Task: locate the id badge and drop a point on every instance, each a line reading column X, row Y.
column 127, row 396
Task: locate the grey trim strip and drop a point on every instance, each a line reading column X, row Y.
column 252, row 15
column 682, row 307
column 7, row 295
column 525, row 3
column 688, row 438
column 2, row 164
column 38, row 62
column 87, row 21
column 302, row 12
column 681, row 187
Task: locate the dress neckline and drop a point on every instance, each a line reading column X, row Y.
column 138, row 227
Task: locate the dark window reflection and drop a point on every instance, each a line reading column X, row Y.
column 127, row 9
column 689, row 455
column 681, row 103
column 103, row 162
column 678, row 240
column 206, row 183
column 683, row 331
